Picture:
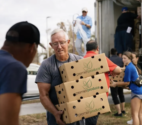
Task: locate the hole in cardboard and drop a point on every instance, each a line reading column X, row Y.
column 79, row 100
column 64, row 109
column 94, row 96
column 81, row 77
column 62, row 72
column 61, row 102
column 76, row 60
column 83, row 118
column 102, row 87
column 101, row 99
column 77, row 80
column 66, row 116
column 65, row 76
column 97, row 73
column 98, row 113
column 74, row 74
column 100, row 80
column 59, row 92
column 81, row 97
column 103, row 107
column 74, row 94
column 76, row 115
column 72, row 87
column 74, row 107
column 97, row 93
column 92, row 77
column 92, row 56
column 101, row 66
column 72, row 67
column 62, row 89
column 64, row 96
column 99, row 59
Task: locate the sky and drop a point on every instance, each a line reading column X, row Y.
column 45, row 14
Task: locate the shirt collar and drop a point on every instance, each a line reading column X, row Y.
column 91, row 52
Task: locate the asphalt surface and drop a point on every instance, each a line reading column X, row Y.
column 35, row 108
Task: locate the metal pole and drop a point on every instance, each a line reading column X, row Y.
column 47, row 49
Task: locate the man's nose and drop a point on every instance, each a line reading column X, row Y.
column 59, row 45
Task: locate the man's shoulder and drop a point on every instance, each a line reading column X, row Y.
column 75, row 57
column 48, row 60
column 11, row 63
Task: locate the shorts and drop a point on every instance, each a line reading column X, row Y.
column 133, row 95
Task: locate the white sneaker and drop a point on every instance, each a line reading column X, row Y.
column 130, row 122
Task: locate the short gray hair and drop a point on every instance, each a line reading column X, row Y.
column 57, row 31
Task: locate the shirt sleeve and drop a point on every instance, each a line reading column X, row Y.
column 90, row 22
column 127, row 77
column 111, row 65
column 44, row 74
column 14, row 79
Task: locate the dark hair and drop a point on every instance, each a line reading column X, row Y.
column 113, row 51
column 128, row 54
column 137, row 55
column 91, row 45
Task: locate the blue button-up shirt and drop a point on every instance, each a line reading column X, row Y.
column 86, row 20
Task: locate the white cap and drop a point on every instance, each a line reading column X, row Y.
column 85, row 9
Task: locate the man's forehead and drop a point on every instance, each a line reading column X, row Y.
column 58, row 36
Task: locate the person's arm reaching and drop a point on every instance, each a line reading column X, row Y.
column 119, row 84
column 116, row 71
column 44, row 89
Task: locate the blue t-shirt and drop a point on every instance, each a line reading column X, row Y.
column 86, row 20
column 131, row 74
column 13, row 75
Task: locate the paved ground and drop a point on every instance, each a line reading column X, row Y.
column 35, row 108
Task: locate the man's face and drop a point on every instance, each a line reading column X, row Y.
column 59, row 44
column 30, row 52
column 84, row 13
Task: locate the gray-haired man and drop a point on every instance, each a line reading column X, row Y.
column 49, row 76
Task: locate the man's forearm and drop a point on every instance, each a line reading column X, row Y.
column 87, row 25
column 48, row 105
column 121, row 84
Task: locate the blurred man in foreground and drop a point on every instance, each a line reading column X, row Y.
column 16, row 54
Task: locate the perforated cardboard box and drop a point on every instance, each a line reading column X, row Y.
column 119, row 78
column 81, row 88
column 84, row 108
column 84, row 68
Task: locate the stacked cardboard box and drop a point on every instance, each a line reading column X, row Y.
column 118, row 78
column 83, row 91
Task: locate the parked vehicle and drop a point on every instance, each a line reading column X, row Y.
column 32, row 89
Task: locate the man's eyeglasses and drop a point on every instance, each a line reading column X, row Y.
column 57, row 43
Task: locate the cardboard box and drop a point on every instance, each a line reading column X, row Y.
column 84, row 108
column 119, row 78
column 82, row 88
column 84, row 68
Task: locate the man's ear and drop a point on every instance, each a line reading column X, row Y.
column 68, row 41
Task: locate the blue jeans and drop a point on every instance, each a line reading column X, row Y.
column 92, row 120
column 51, row 120
column 123, row 41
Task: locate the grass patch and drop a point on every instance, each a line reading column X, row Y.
column 31, row 101
column 104, row 119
